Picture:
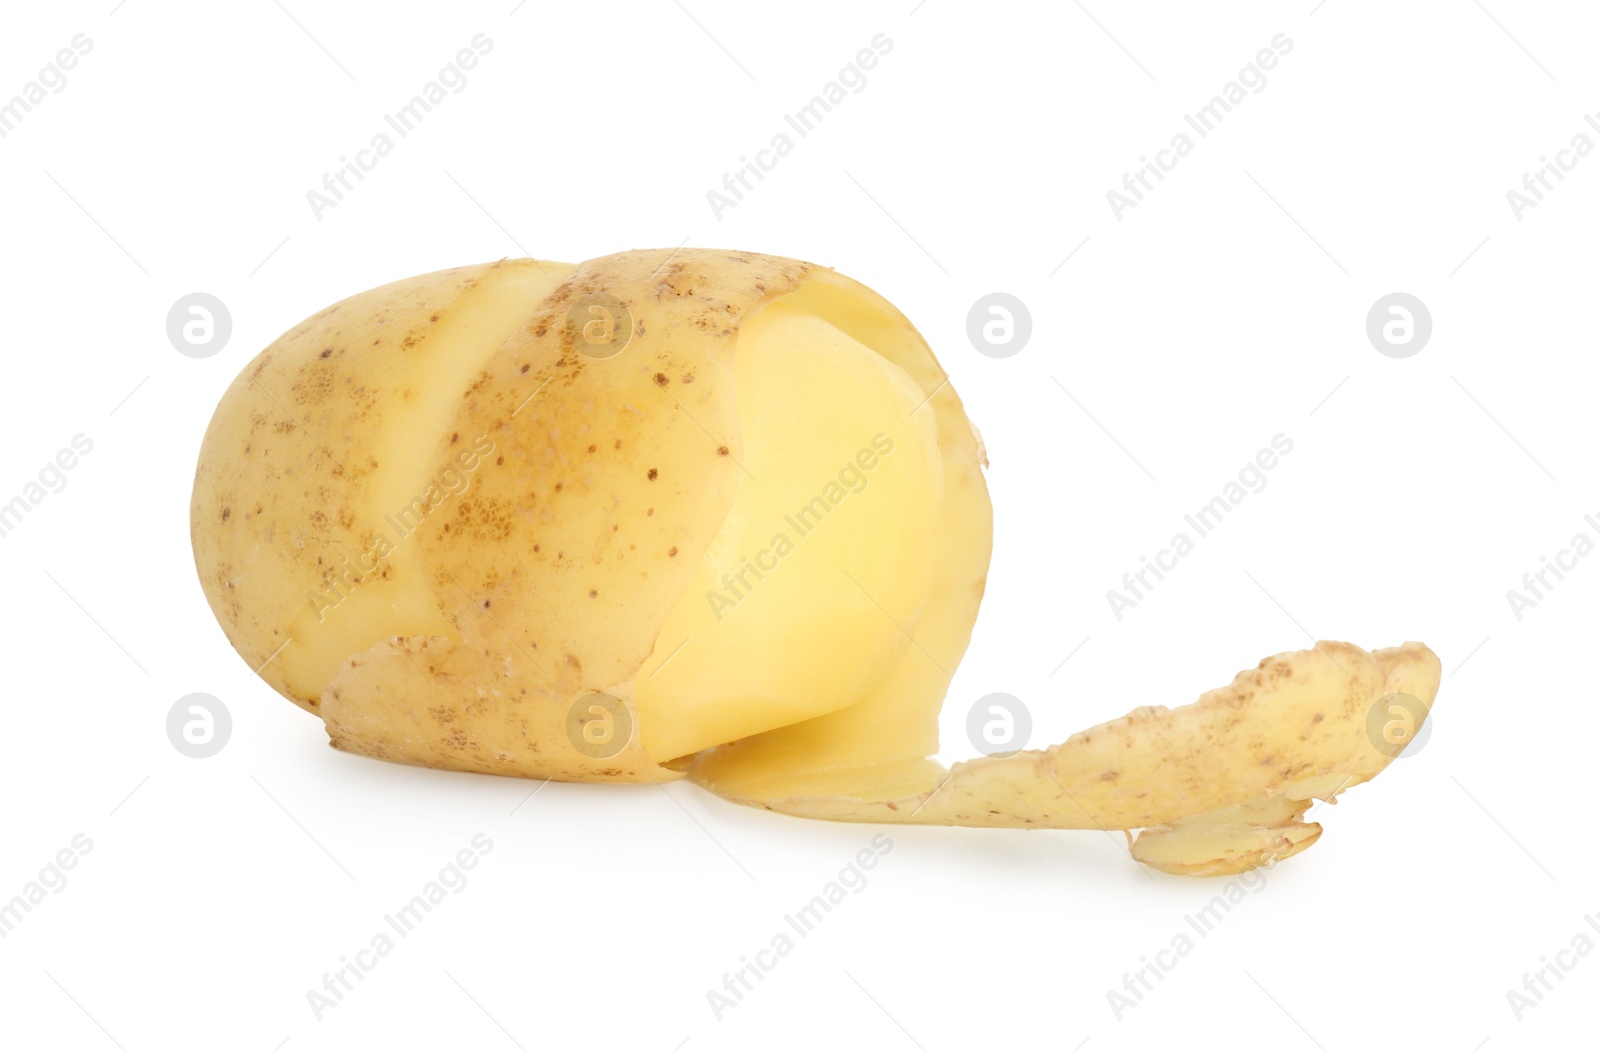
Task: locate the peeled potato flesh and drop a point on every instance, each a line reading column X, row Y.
column 834, row 510
column 693, row 513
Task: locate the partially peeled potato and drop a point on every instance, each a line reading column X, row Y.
column 692, row 513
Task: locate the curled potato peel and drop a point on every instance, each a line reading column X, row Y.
column 1218, row 786
column 693, row 514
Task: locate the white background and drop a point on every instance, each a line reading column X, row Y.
column 1226, row 308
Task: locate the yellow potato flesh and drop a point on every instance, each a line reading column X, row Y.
column 806, row 599
column 878, row 749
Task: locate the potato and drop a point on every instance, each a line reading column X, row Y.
column 700, row 513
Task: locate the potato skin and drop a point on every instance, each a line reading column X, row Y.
column 285, row 463
column 1295, row 724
